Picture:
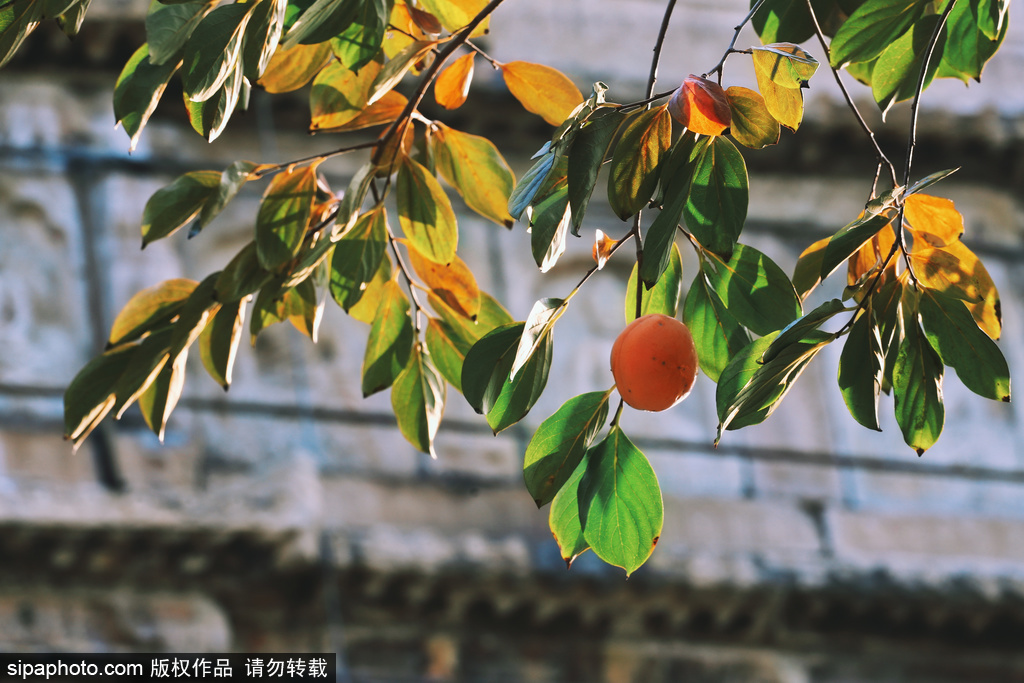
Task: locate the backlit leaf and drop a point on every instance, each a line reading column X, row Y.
column 870, row 257
column 397, row 67
column 452, row 282
column 283, row 216
column 456, row 14
column 17, row 20
column 807, row 273
column 917, row 388
column 633, row 176
column 753, row 125
column 663, row 297
column 90, row 395
column 262, row 35
column 292, row 68
column 701, row 106
column 212, row 51
column 218, row 342
column 137, row 92
column 173, row 206
column 242, row 276
column 785, row 104
column 230, row 182
column 474, row 166
column 425, row 213
column 755, row 290
column 957, row 271
column 210, row 117
column 417, row 398
column 717, row 204
column 147, row 361
column 323, row 20
column 361, row 41
column 564, row 519
column 365, row 309
column 968, row 48
column 159, row 400
column 558, row 445
column 339, row 94
column 849, row 239
column 717, row 334
column 445, row 351
column 802, row 328
column 390, row 343
column 784, row 64
column 452, row 85
column 895, row 75
column 872, row 28
column 549, row 229
column 169, row 26
column 621, row 509
column 385, row 110
column 543, row 316
column 674, row 183
column 542, row 90
column 150, row 310
column 586, row 156
column 955, row 335
column 934, row 220
column 861, row 369
column 786, row 20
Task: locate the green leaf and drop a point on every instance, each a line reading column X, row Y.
column 339, row 94
column 149, row 310
column 230, row 182
column 365, row 310
column 633, row 175
column 17, row 20
column 755, row 290
column 786, row 105
column 160, row 399
column 447, row 351
column 466, row 331
column 357, row 257
column 169, row 26
column 898, row 69
column 968, row 48
column 242, row 276
column 586, row 156
column 71, row 21
column 917, row 388
column 474, row 166
column 485, row 376
column 991, row 16
column 90, row 395
column 549, row 228
column 194, row 316
column 784, row 64
column 543, row 316
column 425, row 213
column 211, row 52
column 174, row 206
column 284, row 215
column 674, row 189
column 397, row 67
column 417, row 398
column 262, row 35
column 558, row 445
column 930, row 180
column 137, row 92
column 717, row 205
column 455, row 14
column 849, row 239
column 391, row 340
column 621, row 510
column 149, row 358
column 322, row 21
column 807, row 272
column 861, row 371
column 872, row 28
column 717, row 334
column 564, row 519
column 963, row 346
column 532, row 185
column 663, row 297
column 800, row 328
column 210, row 117
column 789, row 20
column 360, row 43
column 752, row 124
column 218, row 342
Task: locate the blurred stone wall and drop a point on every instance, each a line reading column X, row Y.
column 289, row 514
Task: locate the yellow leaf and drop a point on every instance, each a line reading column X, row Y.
column 870, row 256
column 453, row 282
column 406, row 31
column 456, row 14
column 291, row 69
column 807, row 273
column 542, row 90
column 425, row 213
column 384, row 110
column 785, row 104
column 339, row 94
column 933, row 220
column 602, row 251
column 784, row 63
column 474, row 166
column 365, row 310
column 957, row 270
column 452, row 87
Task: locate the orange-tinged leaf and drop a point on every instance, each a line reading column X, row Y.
column 453, row 283
column 425, row 213
column 452, row 86
column 807, row 273
column 396, row 68
column 870, row 256
column 339, row 94
column 456, row 14
column 384, row 110
column 933, row 220
column 752, row 124
column 405, row 32
column 542, row 90
column 701, row 105
column 293, row 68
column 633, row 175
column 785, row 104
column 149, row 309
column 474, row 166
column 603, row 246
column 958, row 271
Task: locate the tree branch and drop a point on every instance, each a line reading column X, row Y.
column 732, row 44
column 658, row 45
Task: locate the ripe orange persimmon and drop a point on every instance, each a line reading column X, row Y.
column 654, row 362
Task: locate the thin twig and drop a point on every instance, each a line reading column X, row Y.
column 882, row 158
column 274, row 168
column 495, row 64
column 912, row 135
column 732, row 44
column 658, row 44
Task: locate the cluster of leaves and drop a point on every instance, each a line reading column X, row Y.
column 917, row 299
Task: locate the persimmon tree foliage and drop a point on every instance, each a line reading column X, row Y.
column 385, row 248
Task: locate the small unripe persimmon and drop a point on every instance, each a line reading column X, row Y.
column 654, row 362
column 701, row 105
